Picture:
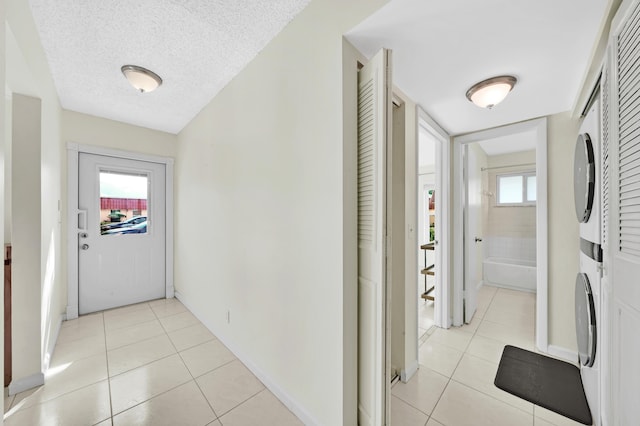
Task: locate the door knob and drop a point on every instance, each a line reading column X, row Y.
column 85, row 247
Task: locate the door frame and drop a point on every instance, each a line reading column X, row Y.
column 73, row 154
column 538, row 125
column 442, row 314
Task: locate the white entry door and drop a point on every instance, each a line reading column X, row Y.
column 472, row 232
column 121, row 232
column 374, row 118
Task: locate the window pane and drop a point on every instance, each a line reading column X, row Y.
column 123, row 203
column 531, row 188
column 510, row 189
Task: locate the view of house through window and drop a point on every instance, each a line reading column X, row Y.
column 516, row 189
column 123, row 203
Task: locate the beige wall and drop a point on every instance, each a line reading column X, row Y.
column 28, row 73
column 26, row 231
column 563, row 226
column 90, row 130
column 404, row 342
column 508, row 221
column 563, row 230
column 3, row 143
column 266, row 161
column 95, row 131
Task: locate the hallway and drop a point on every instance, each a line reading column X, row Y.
column 454, row 384
column 154, row 363
column 146, row 364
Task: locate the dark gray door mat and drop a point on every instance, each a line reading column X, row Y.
column 550, row 383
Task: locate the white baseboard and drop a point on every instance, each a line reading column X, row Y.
column 293, row 405
column 563, row 353
column 26, row 383
column 72, row 312
column 406, row 375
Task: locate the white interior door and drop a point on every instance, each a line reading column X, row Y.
column 624, row 223
column 472, row 232
column 374, row 115
column 121, row 256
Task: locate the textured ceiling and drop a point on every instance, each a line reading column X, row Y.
column 196, row 46
column 441, row 48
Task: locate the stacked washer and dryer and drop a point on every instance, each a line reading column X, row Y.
column 587, row 191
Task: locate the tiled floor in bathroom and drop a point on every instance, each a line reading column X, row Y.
column 454, row 384
column 156, row 364
column 147, row 364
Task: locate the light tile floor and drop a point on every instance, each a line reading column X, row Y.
column 156, row 364
column 146, row 364
column 454, row 384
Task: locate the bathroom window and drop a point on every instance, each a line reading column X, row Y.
column 516, row 189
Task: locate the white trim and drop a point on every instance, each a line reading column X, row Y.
column 442, row 314
column 563, row 353
column 540, row 127
column 406, row 375
column 73, row 152
column 458, row 234
column 26, row 383
column 542, row 239
column 296, row 408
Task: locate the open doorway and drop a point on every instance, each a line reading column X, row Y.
column 433, row 236
column 427, row 164
column 500, row 239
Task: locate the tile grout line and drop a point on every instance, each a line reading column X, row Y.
column 161, row 393
column 450, row 378
column 106, row 358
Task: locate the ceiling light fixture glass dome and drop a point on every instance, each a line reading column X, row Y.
column 141, row 78
column 489, row 93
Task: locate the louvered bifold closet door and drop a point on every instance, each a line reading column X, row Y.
column 374, row 107
column 620, row 393
column 629, row 135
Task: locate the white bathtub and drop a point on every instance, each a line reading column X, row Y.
column 510, row 273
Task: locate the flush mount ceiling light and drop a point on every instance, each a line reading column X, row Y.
column 492, row 91
column 141, row 78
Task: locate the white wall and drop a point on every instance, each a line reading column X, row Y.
column 260, row 229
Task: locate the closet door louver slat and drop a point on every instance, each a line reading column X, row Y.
column 366, row 182
column 605, row 156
